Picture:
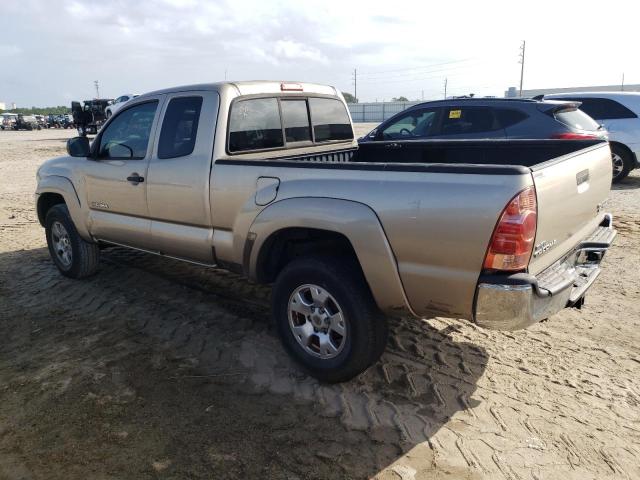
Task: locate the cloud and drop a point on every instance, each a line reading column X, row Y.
column 292, row 50
column 397, row 49
column 9, row 50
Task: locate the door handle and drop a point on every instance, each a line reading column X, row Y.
column 393, row 145
column 135, row 178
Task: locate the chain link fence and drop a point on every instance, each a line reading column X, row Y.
column 376, row 112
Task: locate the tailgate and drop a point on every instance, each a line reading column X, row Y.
column 570, row 192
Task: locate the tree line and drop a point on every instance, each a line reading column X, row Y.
column 59, row 110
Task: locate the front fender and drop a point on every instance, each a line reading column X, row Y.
column 356, row 221
column 63, row 187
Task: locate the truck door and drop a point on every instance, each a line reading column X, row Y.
column 115, row 179
column 178, row 177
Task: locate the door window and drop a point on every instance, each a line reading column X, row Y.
column 179, row 127
column 127, row 136
column 462, row 120
column 415, row 124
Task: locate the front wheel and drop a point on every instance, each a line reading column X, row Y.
column 326, row 317
column 74, row 256
column 621, row 162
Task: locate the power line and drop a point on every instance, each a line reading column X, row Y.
column 414, row 68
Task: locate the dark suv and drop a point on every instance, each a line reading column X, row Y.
column 474, row 118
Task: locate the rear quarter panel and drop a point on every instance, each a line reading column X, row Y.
column 437, row 224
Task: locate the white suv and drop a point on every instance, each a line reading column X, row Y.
column 118, row 103
column 618, row 112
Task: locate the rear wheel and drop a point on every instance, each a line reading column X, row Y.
column 326, row 317
column 74, row 257
column 621, row 162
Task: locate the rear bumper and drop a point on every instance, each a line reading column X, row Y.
column 512, row 302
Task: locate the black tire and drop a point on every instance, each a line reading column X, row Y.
column 84, row 255
column 627, row 162
column 366, row 326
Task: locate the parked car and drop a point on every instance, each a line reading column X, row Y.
column 42, row 122
column 118, row 103
column 476, row 118
column 7, row 121
column 26, row 122
column 618, row 112
column 266, row 179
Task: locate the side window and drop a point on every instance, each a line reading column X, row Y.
column 508, row 117
column 179, row 127
column 466, row 120
column 127, row 136
column 330, row 120
column 417, row 123
column 296, row 120
column 254, row 124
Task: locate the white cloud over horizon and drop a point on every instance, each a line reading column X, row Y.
column 50, row 48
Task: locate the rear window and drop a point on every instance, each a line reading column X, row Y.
column 296, row 120
column 254, row 124
column 330, row 120
column 574, row 118
column 179, row 128
column 603, row 108
column 259, row 123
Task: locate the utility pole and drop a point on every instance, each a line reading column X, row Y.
column 422, row 94
column 97, row 85
column 355, row 85
column 225, row 74
column 622, row 85
column 522, row 65
column 445, row 87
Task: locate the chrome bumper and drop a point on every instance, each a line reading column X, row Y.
column 512, row 302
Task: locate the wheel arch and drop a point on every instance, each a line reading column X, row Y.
column 325, row 224
column 53, row 190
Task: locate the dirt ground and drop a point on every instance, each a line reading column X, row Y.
column 157, row 369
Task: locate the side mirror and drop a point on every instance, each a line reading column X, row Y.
column 78, row 147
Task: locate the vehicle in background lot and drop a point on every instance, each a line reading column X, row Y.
column 118, row 103
column 26, row 122
column 42, row 122
column 89, row 117
column 618, row 112
column 477, row 118
column 266, row 179
column 7, row 120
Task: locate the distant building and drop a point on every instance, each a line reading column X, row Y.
column 3, row 106
column 514, row 92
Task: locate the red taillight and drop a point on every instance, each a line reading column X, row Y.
column 512, row 239
column 574, row 136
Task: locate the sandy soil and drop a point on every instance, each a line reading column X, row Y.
column 156, row 369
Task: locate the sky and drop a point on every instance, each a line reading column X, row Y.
column 51, row 51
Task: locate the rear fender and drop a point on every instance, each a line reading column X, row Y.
column 356, row 221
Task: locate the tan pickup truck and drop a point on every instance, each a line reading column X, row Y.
column 266, row 179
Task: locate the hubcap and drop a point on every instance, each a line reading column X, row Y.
column 317, row 322
column 61, row 244
column 617, row 163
